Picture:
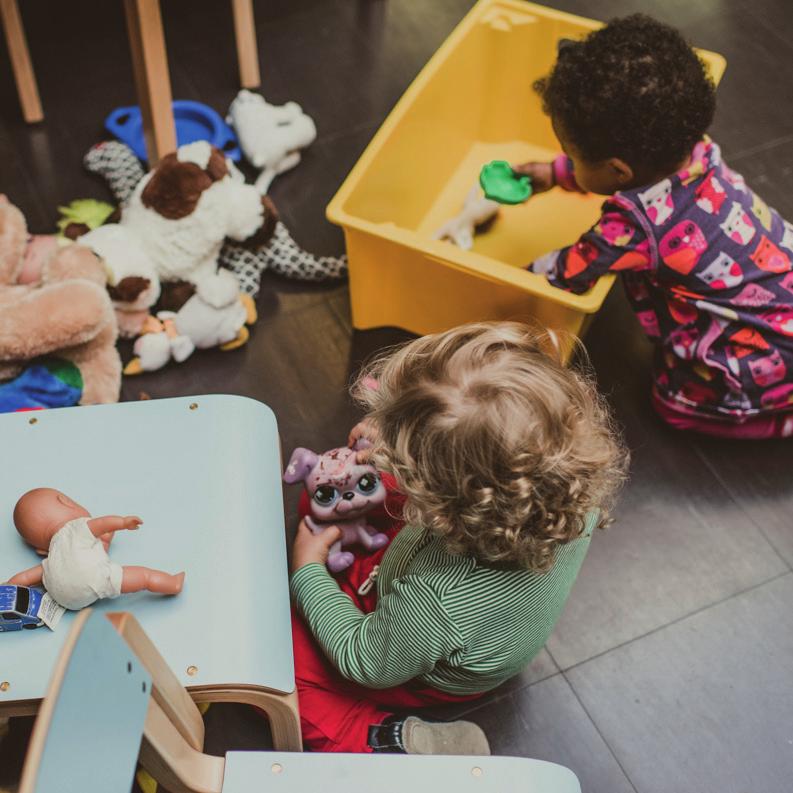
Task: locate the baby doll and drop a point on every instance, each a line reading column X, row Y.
column 77, row 570
column 342, row 491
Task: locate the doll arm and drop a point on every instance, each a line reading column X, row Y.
column 30, row 577
column 111, row 523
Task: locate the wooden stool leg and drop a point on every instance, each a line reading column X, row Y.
column 281, row 709
column 153, row 83
column 247, row 51
column 20, row 61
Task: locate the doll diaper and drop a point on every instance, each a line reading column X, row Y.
column 78, row 570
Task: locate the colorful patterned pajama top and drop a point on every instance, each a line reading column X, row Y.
column 707, row 267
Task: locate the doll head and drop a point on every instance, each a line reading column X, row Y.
column 41, row 512
column 340, row 488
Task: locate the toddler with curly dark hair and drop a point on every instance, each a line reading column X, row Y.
column 705, row 262
column 500, row 463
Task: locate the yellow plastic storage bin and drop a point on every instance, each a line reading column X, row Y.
column 472, row 103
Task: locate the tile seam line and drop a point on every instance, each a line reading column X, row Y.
column 761, row 147
column 589, row 715
column 611, row 749
column 675, row 621
column 771, row 29
column 718, row 477
column 331, row 137
column 476, row 705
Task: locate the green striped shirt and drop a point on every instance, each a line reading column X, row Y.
column 446, row 620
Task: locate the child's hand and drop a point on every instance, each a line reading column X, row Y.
column 131, row 522
column 365, row 430
column 540, row 173
column 309, row 547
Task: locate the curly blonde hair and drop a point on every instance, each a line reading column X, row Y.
column 497, row 446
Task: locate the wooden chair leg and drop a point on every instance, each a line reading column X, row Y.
column 153, row 83
column 281, row 709
column 247, row 51
column 20, row 61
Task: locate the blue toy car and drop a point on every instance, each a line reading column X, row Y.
column 19, row 607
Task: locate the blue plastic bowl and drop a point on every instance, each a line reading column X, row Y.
column 194, row 121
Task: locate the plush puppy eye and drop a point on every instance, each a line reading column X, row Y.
column 325, row 495
column 367, row 484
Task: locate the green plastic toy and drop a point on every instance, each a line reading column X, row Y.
column 86, row 212
column 502, row 184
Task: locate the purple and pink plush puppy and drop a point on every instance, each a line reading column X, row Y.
column 342, row 491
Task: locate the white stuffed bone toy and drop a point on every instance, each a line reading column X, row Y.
column 476, row 211
column 215, row 316
column 175, row 222
column 270, row 135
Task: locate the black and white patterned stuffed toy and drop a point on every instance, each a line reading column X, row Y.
column 117, row 164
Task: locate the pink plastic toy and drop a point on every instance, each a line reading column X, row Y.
column 342, row 492
column 78, row 570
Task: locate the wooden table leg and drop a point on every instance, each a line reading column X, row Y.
column 153, row 83
column 20, row 61
column 281, row 709
column 247, row 51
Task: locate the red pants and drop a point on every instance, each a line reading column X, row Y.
column 772, row 425
column 335, row 714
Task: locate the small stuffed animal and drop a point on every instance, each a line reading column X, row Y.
column 476, row 212
column 342, row 492
column 215, row 316
column 174, row 225
column 117, row 164
column 78, row 570
column 270, row 135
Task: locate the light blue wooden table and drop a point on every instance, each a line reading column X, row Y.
column 204, row 474
column 88, row 732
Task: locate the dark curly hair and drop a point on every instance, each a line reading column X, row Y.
column 635, row 90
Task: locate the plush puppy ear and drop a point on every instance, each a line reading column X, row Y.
column 301, row 464
column 175, row 187
column 265, row 232
column 216, row 167
column 128, row 289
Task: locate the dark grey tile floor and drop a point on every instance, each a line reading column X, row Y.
column 671, row 670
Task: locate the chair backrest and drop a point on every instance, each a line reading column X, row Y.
column 173, row 735
column 87, row 735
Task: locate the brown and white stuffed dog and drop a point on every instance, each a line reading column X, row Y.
column 173, row 227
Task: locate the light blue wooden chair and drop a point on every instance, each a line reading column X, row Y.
column 106, row 692
column 204, row 473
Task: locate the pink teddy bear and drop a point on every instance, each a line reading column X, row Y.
column 342, row 492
